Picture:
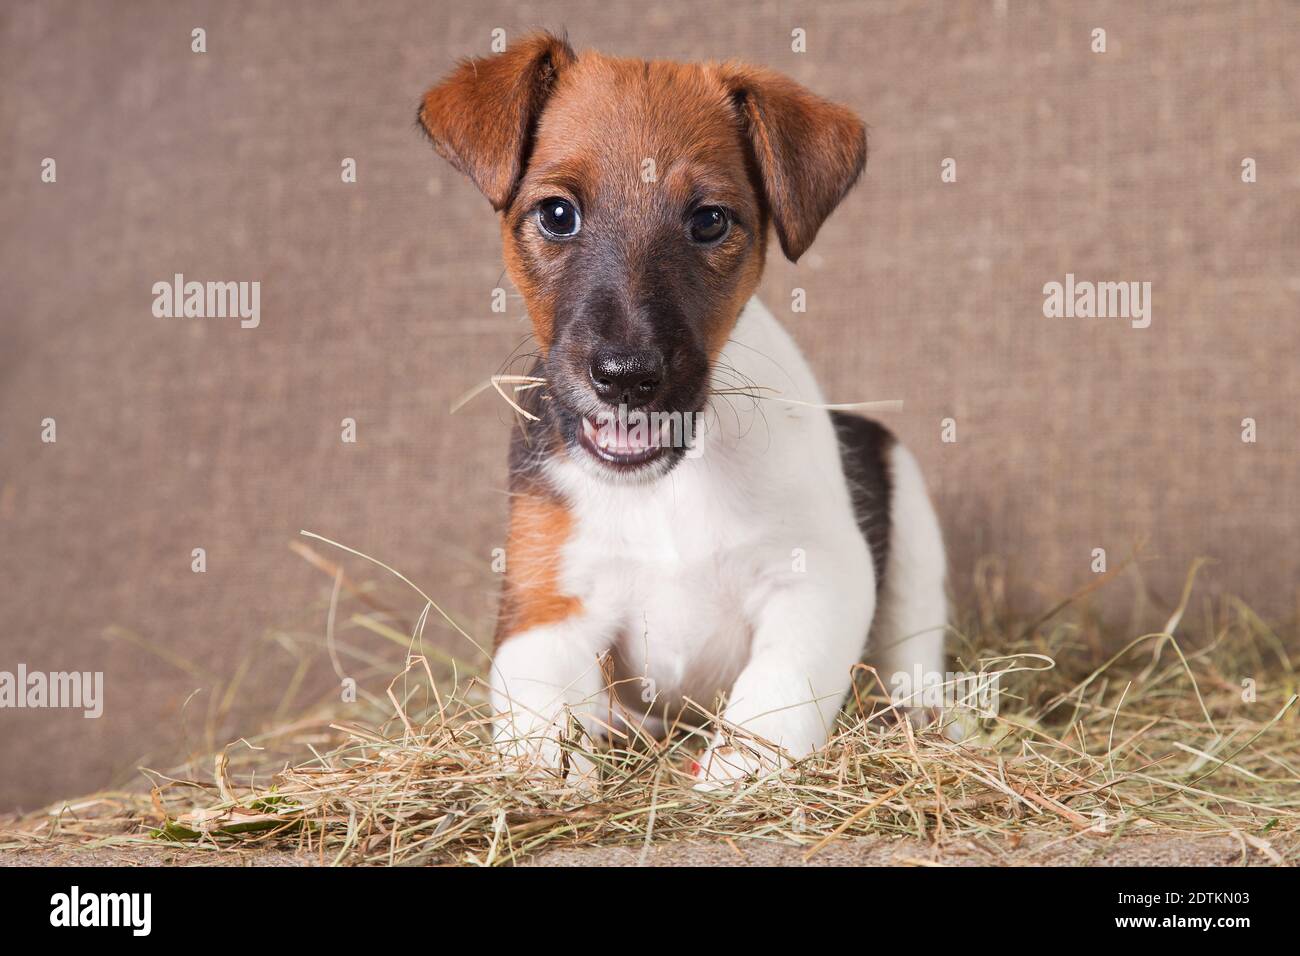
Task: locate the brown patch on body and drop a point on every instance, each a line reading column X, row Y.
column 539, row 528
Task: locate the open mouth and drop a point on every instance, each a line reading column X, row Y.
column 623, row 444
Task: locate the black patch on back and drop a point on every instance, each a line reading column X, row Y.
column 864, row 454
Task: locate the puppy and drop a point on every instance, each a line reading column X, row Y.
column 689, row 528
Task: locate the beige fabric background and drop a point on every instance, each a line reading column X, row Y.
column 177, row 434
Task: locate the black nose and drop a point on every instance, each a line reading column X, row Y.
column 628, row 377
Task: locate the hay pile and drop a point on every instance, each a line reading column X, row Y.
column 1191, row 733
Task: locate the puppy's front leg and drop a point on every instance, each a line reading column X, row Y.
column 805, row 644
column 545, row 679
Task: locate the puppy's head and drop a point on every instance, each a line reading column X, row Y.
column 635, row 199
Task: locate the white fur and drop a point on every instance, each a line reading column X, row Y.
column 740, row 573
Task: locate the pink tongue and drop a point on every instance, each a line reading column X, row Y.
column 627, row 438
column 633, row 440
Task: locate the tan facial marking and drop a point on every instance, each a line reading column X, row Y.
column 605, row 119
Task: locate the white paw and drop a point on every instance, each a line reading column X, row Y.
column 543, row 757
column 960, row 724
column 954, row 724
column 723, row 764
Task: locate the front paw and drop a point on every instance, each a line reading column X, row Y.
column 723, row 764
column 954, row 724
column 549, row 755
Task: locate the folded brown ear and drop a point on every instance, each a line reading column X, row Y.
column 808, row 151
column 481, row 118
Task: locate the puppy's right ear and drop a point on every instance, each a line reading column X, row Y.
column 481, row 118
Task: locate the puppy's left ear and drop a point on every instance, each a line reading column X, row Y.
column 809, row 151
column 482, row 117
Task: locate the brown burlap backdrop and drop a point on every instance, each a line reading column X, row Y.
column 173, row 434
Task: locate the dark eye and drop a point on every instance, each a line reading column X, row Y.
column 709, row 224
column 558, row 218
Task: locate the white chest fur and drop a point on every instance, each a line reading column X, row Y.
column 679, row 572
